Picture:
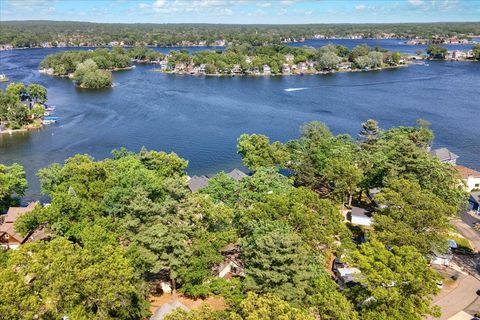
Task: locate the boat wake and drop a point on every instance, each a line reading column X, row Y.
column 295, row 89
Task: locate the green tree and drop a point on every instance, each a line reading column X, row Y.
column 329, row 61
column 88, row 288
column 12, row 184
column 437, row 52
column 476, row 51
column 37, row 92
column 257, row 152
column 277, row 261
column 396, row 283
column 15, row 89
column 412, row 216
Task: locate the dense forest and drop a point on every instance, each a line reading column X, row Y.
column 120, row 226
column 34, row 33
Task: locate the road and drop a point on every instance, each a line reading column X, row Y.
column 463, row 296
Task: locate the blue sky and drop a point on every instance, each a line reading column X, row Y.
column 242, row 11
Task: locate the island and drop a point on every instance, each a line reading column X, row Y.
column 23, row 107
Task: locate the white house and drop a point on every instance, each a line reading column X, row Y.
column 470, row 177
column 444, row 155
column 360, row 216
column 266, row 69
column 289, row 57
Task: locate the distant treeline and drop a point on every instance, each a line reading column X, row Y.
column 34, row 33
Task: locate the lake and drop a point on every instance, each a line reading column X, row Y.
column 200, row 118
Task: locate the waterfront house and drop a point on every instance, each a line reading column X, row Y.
column 180, row 67
column 444, row 155
column 345, row 66
column 302, row 66
column 201, row 68
column 9, row 238
column 237, row 69
column 360, row 216
column 470, row 177
column 474, row 201
column 285, row 69
column 289, row 57
column 266, row 69
column 236, row 174
column 196, row 183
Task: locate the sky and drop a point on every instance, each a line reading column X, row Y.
column 242, row 11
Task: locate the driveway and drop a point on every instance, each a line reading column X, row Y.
column 459, row 298
column 465, row 227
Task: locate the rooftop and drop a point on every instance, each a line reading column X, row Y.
column 465, row 172
column 237, row 174
column 443, row 154
column 360, row 212
column 197, row 182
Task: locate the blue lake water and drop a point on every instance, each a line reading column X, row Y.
column 200, row 118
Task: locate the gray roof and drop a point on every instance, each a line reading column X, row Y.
column 237, row 174
column 443, row 154
column 360, row 212
column 197, row 182
column 475, row 196
column 167, row 308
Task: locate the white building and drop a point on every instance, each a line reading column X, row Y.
column 470, row 177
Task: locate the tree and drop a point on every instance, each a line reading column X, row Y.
column 257, row 152
column 329, row 61
column 412, row 216
column 277, row 261
column 269, row 306
column 376, row 59
column 88, row 288
column 363, row 62
column 12, row 184
column 437, row 52
column 257, row 187
column 370, row 132
column 222, row 188
column 37, row 92
column 476, row 51
column 396, row 284
column 16, row 89
column 345, row 177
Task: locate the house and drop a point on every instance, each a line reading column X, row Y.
column 232, row 266
column 442, row 259
column 237, row 69
column 9, row 238
column 168, row 308
column 236, row 174
column 470, row 177
column 444, row 155
column 286, row 69
column 201, row 68
column 266, row 69
column 302, row 66
column 164, row 65
column 179, row 67
column 196, row 183
column 360, row 216
column 345, row 66
column 289, row 57
column 474, row 201
column 347, row 276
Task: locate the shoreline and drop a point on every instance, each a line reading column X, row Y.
column 31, row 127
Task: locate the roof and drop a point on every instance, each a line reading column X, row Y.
column 360, row 212
column 444, row 154
column 475, row 196
column 197, row 182
column 167, row 308
column 348, row 271
column 465, row 172
column 237, row 174
column 8, row 226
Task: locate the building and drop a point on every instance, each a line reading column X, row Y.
column 474, row 201
column 236, row 174
column 360, row 216
column 237, row 69
column 345, row 66
column 347, row 276
column 9, row 238
column 445, row 155
column 196, row 183
column 266, row 69
column 302, row 66
column 470, row 177
column 289, row 57
column 232, row 266
column 286, row 69
column 442, row 259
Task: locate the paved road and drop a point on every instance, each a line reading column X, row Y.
column 459, row 298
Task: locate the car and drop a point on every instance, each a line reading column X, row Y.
column 478, row 292
column 454, row 277
column 440, row 284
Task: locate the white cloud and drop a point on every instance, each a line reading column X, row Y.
column 360, row 7
column 416, row 2
column 263, row 4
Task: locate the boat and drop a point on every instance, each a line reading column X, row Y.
column 50, row 120
column 3, row 78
